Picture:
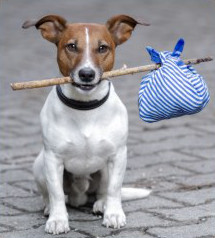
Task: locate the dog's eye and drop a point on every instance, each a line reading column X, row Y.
column 103, row 49
column 71, row 47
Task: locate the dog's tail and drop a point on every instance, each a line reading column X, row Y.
column 134, row 193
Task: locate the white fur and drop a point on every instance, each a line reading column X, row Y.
column 87, row 59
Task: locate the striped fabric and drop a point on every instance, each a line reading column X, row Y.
column 173, row 90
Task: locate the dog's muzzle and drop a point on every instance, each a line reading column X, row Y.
column 86, row 77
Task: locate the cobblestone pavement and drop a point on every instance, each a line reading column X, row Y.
column 176, row 158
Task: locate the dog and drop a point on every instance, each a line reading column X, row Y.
column 84, row 123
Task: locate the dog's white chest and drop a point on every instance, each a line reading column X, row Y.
column 84, row 141
column 86, row 151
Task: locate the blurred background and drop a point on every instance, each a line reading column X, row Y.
column 25, row 55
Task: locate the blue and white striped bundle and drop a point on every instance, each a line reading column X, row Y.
column 174, row 90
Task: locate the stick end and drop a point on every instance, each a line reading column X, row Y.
column 13, row 86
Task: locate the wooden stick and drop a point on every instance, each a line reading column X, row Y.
column 110, row 74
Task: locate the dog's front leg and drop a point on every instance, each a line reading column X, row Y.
column 58, row 218
column 100, row 204
column 114, row 215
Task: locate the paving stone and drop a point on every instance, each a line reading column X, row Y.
column 25, row 160
column 17, row 110
column 195, row 197
column 11, row 165
column 6, row 134
column 204, row 229
column 22, row 152
column 21, row 163
column 206, row 128
column 6, row 191
column 149, row 202
column 145, row 220
column 142, row 161
column 160, row 185
column 172, row 156
column 208, row 153
column 198, row 166
column 154, row 183
column 29, row 186
column 165, row 133
column 174, row 143
column 7, row 211
column 10, row 122
column 22, row 222
column 94, row 228
column 164, row 170
column 28, row 204
column 39, row 233
column 134, row 175
column 26, row 130
column 7, row 166
column 129, row 234
column 15, row 175
column 204, row 180
column 186, row 214
column 22, row 141
column 131, row 141
column 136, row 162
column 4, row 229
column 187, row 121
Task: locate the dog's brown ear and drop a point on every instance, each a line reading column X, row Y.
column 51, row 27
column 121, row 27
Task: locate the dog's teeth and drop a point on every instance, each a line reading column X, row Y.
column 86, row 87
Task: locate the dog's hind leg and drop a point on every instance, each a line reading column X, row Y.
column 38, row 170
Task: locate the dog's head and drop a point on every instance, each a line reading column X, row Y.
column 85, row 51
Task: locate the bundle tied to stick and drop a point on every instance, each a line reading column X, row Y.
column 110, row 74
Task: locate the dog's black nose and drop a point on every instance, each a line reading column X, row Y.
column 86, row 75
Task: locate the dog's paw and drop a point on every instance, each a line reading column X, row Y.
column 57, row 226
column 99, row 206
column 114, row 218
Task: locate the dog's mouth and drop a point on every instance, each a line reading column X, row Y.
column 85, row 87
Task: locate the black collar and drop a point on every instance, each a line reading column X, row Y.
column 81, row 105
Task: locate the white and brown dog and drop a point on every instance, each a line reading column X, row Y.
column 84, row 124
